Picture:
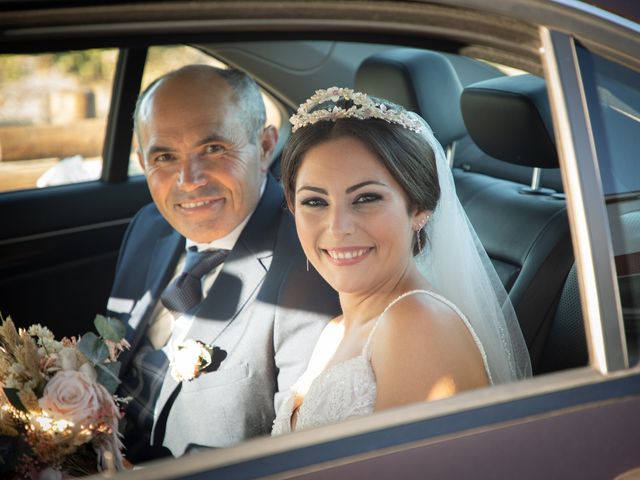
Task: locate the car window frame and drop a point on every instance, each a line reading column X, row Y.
column 126, row 85
column 588, row 219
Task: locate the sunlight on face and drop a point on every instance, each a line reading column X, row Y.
column 352, row 217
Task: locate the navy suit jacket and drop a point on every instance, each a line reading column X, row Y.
column 263, row 314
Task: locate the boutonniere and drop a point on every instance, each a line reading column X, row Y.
column 190, row 359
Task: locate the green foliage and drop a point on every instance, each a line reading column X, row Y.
column 108, row 375
column 88, row 66
column 110, row 328
column 93, row 348
column 12, row 67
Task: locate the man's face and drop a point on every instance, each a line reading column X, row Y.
column 203, row 171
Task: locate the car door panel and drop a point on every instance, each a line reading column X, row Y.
column 588, row 431
column 58, row 250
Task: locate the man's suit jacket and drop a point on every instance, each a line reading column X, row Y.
column 263, row 314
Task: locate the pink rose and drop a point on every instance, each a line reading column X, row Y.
column 75, row 397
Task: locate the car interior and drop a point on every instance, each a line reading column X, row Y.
column 495, row 127
column 565, row 242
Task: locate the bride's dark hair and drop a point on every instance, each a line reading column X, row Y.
column 405, row 154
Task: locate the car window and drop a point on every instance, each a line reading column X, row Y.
column 163, row 59
column 53, row 110
column 613, row 93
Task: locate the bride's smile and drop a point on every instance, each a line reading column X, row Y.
column 348, row 255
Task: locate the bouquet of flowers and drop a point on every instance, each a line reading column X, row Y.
column 58, row 409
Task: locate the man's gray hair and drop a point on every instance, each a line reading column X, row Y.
column 245, row 89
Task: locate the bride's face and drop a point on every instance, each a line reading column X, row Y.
column 352, row 217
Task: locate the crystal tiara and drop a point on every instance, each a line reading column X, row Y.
column 364, row 107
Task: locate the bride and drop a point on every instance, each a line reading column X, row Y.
column 424, row 315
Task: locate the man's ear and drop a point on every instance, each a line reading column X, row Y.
column 267, row 143
column 140, row 160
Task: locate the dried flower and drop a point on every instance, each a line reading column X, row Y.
column 51, row 401
column 73, row 396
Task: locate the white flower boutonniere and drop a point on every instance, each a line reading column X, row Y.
column 190, row 358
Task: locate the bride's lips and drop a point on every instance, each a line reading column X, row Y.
column 343, row 256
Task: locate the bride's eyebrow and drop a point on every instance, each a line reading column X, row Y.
column 350, row 189
column 312, row 189
column 355, row 187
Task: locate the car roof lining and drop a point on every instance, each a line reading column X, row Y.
column 506, row 26
column 420, row 25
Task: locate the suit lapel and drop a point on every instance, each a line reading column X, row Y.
column 164, row 258
column 238, row 280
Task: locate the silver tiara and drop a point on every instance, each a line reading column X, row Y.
column 363, row 108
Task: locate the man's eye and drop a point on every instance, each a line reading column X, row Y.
column 367, row 198
column 165, row 157
column 314, row 202
column 213, row 149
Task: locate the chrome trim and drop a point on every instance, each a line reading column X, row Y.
column 585, row 204
column 451, row 153
column 535, row 178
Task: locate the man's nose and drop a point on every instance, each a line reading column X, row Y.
column 192, row 174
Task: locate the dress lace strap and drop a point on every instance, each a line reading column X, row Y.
column 366, row 350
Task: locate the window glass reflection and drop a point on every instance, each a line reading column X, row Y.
column 613, row 94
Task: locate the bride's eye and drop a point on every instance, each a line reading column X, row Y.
column 313, row 202
column 367, row 198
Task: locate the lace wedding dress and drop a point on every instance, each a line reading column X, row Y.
column 346, row 389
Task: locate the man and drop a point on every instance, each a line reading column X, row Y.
column 206, row 152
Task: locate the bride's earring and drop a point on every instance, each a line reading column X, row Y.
column 419, row 227
column 307, row 263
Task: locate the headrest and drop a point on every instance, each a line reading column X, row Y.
column 509, row 118
column 421, row 81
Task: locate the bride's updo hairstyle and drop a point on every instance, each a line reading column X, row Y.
column 404, row 152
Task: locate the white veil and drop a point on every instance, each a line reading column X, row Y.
column 456, row 264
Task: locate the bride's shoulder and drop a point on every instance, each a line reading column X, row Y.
column 424, row 317
column 424, row 337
